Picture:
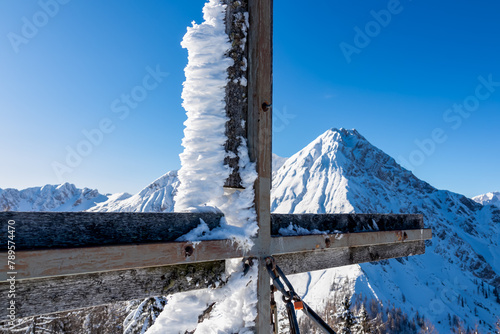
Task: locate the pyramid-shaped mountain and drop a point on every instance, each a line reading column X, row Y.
column 341, row 172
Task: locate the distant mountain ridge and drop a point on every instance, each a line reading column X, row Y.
column 341, row 172
column 63, row 197
column 157, row 197
column 492, row 198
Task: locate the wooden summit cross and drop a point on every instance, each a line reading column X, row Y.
column 67, row 261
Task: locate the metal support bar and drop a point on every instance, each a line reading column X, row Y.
column 289, row 296
column 294, row 325
column 317, row 319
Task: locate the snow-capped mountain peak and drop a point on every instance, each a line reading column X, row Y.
column 328, row 174
column 492, row 198
column 156, row 197
column 341, row 172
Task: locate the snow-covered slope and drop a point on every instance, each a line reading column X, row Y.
column 64, row 197
column 492, row 198
column 341, row 172
column 157, row 197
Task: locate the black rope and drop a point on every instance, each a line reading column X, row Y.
column 290, row 296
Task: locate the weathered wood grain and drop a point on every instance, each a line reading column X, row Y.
column 52, row 244
column 297, row 244
column 134, row 238
column 330, row 258
column 45, row 230
column 42, row 230
column 236, row 88
column 50, row 295
column 67, row 261
column 347, row 223
column 62, row 293
column 260, row 91
column 60, row 262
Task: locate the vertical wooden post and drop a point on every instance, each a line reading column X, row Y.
column 260, row 82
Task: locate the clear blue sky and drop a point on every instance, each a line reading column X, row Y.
column 74, row 70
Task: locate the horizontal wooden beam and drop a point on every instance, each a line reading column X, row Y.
column 89, row 256
column 45, row 230
column 68, row 261
column 59, row 262
column 306, row 243
column 65, row 293
column 330, row 258
column 55, row 244
column 294, row 254
column 107, row 279
column 347, row 223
